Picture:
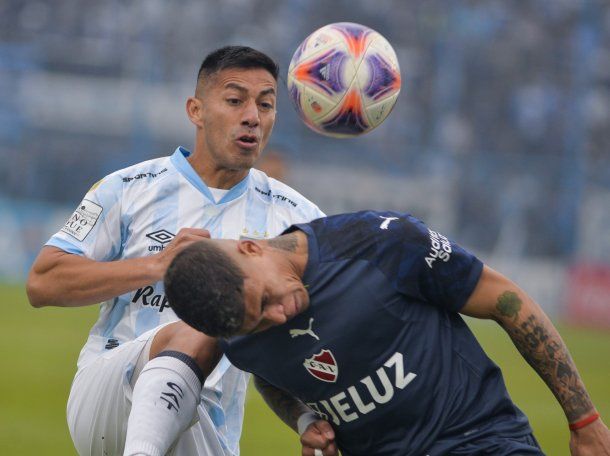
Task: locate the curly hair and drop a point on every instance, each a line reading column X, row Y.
column 205, row 288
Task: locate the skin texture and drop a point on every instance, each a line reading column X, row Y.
column 533, row 334
column 273, row 290
column 318, row 434
column 61, row 279
column 228, row 105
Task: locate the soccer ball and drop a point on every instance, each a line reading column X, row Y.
column 344, row 79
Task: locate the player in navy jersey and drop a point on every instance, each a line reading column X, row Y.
column 356, row 318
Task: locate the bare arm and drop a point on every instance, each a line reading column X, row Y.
column 497, row 298
column 286, row 407
column 62, row 279
column 317, row 435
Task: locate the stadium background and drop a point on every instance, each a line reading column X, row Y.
column 500, row 139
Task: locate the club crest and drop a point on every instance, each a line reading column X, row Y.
column 323, row 366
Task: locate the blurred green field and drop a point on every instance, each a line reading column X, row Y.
column 39, row 349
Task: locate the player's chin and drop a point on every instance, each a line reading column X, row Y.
column 246, row 157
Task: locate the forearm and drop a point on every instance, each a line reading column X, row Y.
column 285, row 406
column 542, row 347
column 61, row 279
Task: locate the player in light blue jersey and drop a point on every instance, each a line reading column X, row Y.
column 139, row 378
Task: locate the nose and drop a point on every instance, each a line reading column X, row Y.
column 250, row 117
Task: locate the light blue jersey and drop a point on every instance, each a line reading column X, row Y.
column 136, row 212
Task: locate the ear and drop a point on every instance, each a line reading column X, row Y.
column 249, row 247
column 193, row 111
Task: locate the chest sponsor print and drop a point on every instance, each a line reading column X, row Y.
column 361, row 398
column 148, row 296
column 323, row 366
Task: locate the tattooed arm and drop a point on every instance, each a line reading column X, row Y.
column 497, row 298
column 317, row 435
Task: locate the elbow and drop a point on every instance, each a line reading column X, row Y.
column 35, row 290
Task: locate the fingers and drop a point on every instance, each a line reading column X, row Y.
column 330, row 450
column 319, row 440
column 196, row 232
column 325, row 429
column 185, row 237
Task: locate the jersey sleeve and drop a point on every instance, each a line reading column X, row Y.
column 94, row 228
column 310, row 212
column 429, row 266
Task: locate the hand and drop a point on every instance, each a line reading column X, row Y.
column 591, row 440
column 184, row 238
column 321, row 436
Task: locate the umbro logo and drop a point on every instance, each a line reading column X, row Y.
column 160, row 236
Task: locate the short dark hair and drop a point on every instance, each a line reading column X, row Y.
column 236, row 57
column 205, row 288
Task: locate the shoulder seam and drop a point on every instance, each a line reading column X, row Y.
column 170, row 172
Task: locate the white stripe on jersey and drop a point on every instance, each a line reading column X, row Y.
column 143, row 207
column 161, row 196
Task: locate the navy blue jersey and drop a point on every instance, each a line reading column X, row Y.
column 381, row 352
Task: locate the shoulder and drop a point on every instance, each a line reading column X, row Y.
column 283, row 196
column 134, row 177
column 146, row 171
column 375, row 223
column 369, row 234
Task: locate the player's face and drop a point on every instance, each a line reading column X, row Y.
column 237, row 113
column 273, row 295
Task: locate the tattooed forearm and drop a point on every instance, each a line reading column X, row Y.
column 542, row 347
column 509, row 304
column 286, row 242
column 285, row 406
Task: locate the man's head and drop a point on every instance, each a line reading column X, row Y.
column 242, row 57
column 224, row 287
column 234, row 106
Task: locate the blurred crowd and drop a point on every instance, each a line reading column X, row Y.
column 506, row 102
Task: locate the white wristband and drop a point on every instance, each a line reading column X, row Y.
column 305, row 420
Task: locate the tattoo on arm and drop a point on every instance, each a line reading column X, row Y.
column 286, row 242
column 509, row 304
column 285, row 406
column 542, row 347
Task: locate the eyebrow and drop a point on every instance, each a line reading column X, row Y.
column 269, row 91
column 241, row 89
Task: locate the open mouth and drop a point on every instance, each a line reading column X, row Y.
column 247, row 141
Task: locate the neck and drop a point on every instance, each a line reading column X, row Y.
column 213, row 174
column 293, row 247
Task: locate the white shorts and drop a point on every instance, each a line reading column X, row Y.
column 100, row 403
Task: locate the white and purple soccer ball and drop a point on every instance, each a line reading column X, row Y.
column 344, row 79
